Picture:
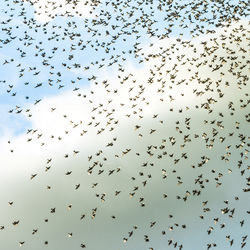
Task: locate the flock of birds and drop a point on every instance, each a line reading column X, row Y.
column 167, row 117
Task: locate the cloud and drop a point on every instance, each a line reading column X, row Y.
column 46, row 10
column 107, row 116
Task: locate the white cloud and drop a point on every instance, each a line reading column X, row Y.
column 46, row 10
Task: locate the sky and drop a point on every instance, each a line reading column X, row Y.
column 92, row 103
